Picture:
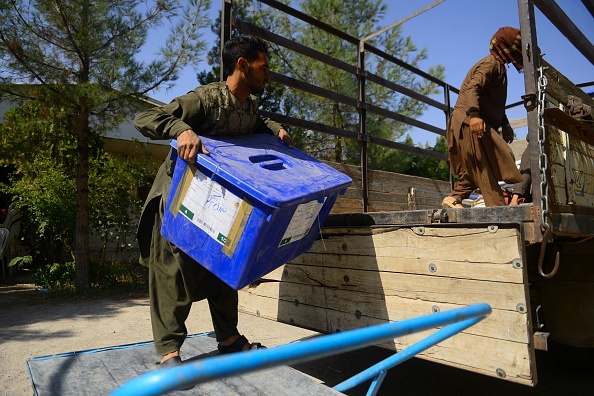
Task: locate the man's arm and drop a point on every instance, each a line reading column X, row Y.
column 479, row 79
column 171, row 120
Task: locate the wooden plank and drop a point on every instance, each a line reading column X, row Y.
column 423, row 243
column 368, row 307
column 571, row 162
column 388, row 191
column 499, row 295
column 433, row 267
column 559, row 86
column 559, row 184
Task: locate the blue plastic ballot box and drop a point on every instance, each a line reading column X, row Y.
column 250, row 206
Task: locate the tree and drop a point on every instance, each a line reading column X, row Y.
column 246, row 10
column 85, row 53
column 413, row 164
column 359, row 18
column 37, row 137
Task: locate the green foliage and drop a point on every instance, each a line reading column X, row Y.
column 404, row 162
column 77, row 41
column 23, row 261
column 81, row 59
column 60, row 277
column 110, row 182
column 42, row 148
column 358, row 18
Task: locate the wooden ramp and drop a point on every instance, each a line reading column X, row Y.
column 362, row 276
column 101, row 371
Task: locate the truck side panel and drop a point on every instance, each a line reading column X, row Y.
column 358, row 277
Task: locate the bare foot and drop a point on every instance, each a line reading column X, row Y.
column 514, row 200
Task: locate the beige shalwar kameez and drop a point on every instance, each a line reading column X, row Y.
column 481, row 162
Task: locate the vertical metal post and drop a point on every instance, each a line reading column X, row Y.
column 226, row 28
column 531, row 60
column 448, row 114
column 363, row 124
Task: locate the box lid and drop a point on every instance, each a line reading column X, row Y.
column 263, row 167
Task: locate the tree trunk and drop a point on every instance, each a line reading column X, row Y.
column 337, row 121
column 81, row 254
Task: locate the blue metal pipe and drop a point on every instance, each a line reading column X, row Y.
column 161, row 381
column 405, row 354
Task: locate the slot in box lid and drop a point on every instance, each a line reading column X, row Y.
column 265, row 168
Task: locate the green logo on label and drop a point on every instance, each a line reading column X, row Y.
column 222, row 238
column 285, row 241
column 186, row 212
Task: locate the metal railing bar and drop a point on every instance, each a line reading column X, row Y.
column 403, row 90
column 311, row 125
column 313, row 89
column 162, row 381
column 322, row 92
column 405, row 147
column 405, row 65
column 407, row 120
column 351, row 39
column 405, row 354
column 312, row 21
column 318, row 127
column 246, row 27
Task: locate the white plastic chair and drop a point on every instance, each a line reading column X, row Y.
column 9, row 234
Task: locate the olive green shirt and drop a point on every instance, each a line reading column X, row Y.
column 207, row 110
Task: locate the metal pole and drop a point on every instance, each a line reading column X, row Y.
column 448, row 114
column 531, row 61
column 401, row 21
column 226, row 28
column 363, row 125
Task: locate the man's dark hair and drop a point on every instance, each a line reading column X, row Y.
column 242, row 46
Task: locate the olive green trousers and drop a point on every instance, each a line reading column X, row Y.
column 175, row 281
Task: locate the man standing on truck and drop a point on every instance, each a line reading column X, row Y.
column 175, row 279
column 478, row 155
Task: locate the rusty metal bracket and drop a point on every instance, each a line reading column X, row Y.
column 439, row 216
column 529, row 101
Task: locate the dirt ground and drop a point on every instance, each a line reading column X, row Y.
column 34, row 324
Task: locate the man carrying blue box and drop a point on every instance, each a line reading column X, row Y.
column 175, row 279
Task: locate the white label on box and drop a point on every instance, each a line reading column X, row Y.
column 302, row 221
column 210, row 206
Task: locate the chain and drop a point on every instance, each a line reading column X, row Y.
column 542, row 158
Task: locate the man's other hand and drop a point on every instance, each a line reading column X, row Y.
column 507, row 133
column 478, row 126
column 286, row 138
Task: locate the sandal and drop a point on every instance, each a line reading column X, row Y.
column 174, row 361
column 237, row 346
column 454, row 204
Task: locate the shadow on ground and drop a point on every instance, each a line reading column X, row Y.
column 18, row 295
